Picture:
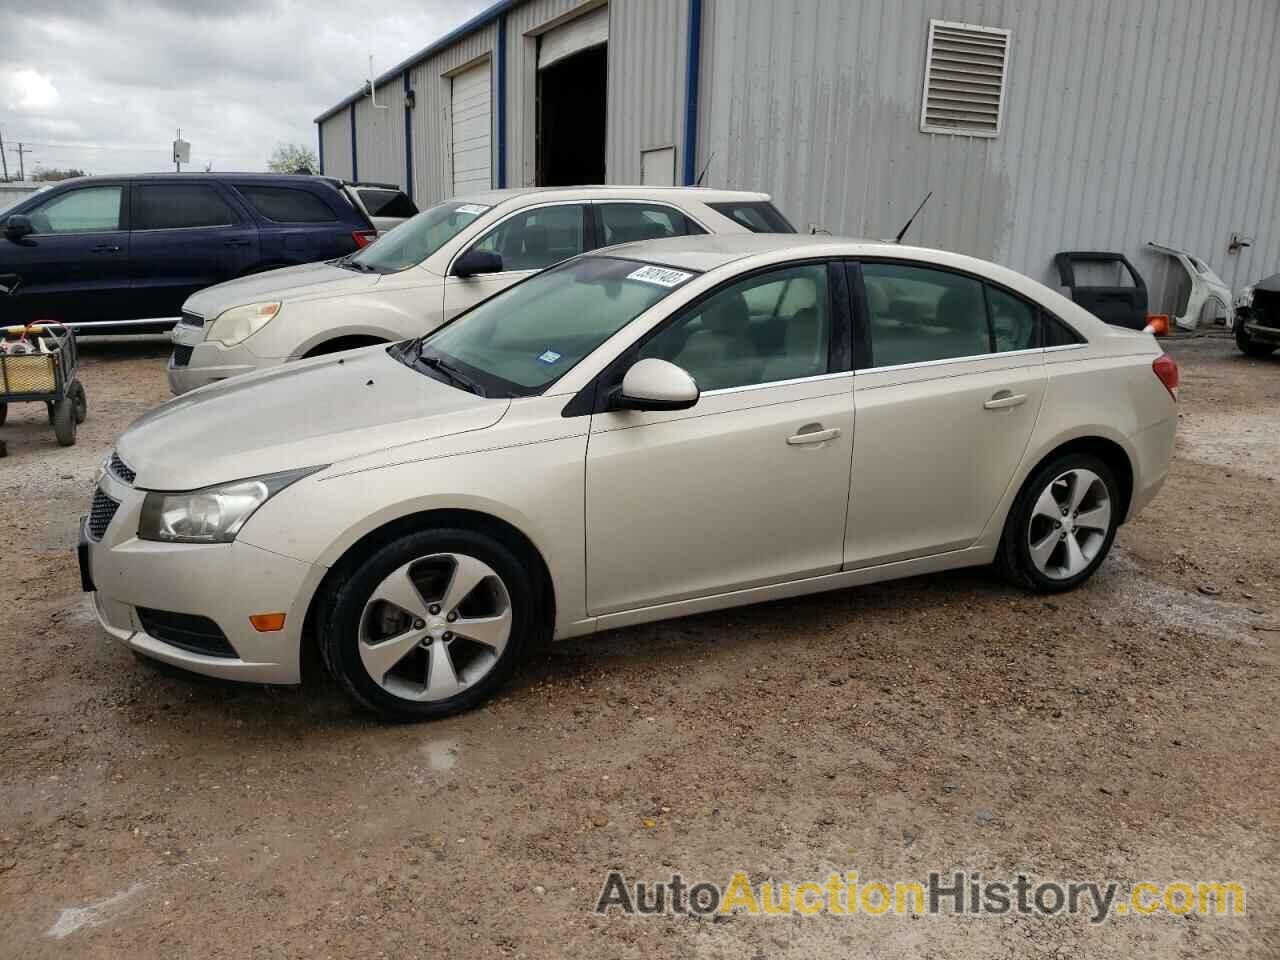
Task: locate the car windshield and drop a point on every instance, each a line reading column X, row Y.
column 520, row 341
column 416, row 239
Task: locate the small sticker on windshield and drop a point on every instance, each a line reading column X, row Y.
column 662, row 276
column 549, row 357
column 475, row 208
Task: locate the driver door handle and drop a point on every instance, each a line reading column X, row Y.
column 807, row 435
column 1004, row 399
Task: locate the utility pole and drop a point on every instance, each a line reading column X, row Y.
column 4, row 164
column 20, row 150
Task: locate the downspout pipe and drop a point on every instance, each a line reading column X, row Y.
column 502, row 101
column 692, row 67
column 355, row 174
column 408, row 140
column 320, row 138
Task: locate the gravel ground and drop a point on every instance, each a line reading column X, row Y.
column 1124, row 731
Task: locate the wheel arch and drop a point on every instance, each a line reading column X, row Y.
column 500, row 529
column 1109, row 451
column 344, row 341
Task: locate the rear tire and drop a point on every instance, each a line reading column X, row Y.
column 1250, row 347
column 64, row 421
column 1061, row 526
column 430, row 625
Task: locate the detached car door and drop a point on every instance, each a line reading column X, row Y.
column 750, row 485
column 185, row 236
column 528, row 241
column 948, row 390
column 75, row 266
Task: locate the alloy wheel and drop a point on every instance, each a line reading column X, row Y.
column 1069, row 524
column 435, row 627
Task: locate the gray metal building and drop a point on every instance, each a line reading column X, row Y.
column 1040, row 125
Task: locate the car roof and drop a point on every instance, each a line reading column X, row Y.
column 491, row 198
column 256, row 176
column 707, row 251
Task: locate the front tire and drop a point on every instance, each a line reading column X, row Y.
column 1062, row 525
column 63, row 416
column 430, row 625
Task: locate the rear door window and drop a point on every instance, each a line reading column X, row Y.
column 758, row 216
column 386, row 203
column 916, row 314
column 287, row 204
column 626, row 222
column 172, row 206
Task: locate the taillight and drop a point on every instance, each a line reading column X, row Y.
column 364, row 237
column 1166, row 369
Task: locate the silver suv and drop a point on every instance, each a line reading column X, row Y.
column 431, row 268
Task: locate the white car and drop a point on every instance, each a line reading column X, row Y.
column 644, row 432
column 432, row 267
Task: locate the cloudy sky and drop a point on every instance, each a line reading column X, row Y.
column 103, row 84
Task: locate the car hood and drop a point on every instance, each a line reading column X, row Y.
column 319, row 411
column 308, row 281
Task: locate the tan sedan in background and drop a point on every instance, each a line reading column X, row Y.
column 649, row 431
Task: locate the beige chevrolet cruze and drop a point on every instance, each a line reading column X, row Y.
column 648, row 431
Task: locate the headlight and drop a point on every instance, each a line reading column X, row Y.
column 211, row 515
column 239, row 323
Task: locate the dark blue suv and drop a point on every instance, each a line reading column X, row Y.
column 130, row 249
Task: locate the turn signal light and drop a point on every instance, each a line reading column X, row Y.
column 1166, row 369
column 364, row 237
column 267, row 622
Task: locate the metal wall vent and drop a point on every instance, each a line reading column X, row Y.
column 964, row 78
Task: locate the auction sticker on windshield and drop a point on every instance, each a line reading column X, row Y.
column 662, row 276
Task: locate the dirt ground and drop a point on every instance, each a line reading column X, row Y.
column 1125, row 731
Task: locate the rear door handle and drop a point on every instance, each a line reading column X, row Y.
column 236, row 243
column 807, row 435
column 1004, row 399
column 106, row 248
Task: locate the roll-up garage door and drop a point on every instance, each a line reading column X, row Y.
column 471, row 130
column 581, row 33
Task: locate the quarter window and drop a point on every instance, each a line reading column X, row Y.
column 286, row 205
column 917, row 314
column 757, row 216
column 163, row 206
column 772, row 326
column 536, row 238
column 625, row 222
column 87, row 210
column 1014, row 322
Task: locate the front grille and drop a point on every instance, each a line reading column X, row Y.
column 181, row 355
column 121, row 470
column 186, row 631
column 100, row 514
column 191, row 319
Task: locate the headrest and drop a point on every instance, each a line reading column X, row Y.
column 727, row 314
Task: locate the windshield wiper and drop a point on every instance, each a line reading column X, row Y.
column 452, row 372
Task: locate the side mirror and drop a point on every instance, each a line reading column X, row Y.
column 17, row 226
column 654, row 384
column 477, row 261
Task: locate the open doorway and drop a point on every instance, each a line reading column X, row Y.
column 571, row 119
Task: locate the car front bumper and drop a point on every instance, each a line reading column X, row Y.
column 223, row 583
column 196, row 362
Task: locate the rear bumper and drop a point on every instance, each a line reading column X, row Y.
column 227, row 583
column 1152, row 453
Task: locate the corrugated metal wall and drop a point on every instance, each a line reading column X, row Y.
column 380, row 136
column 432, row 160
column 648, row 49
column 1125, row 122
column 337, row 145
